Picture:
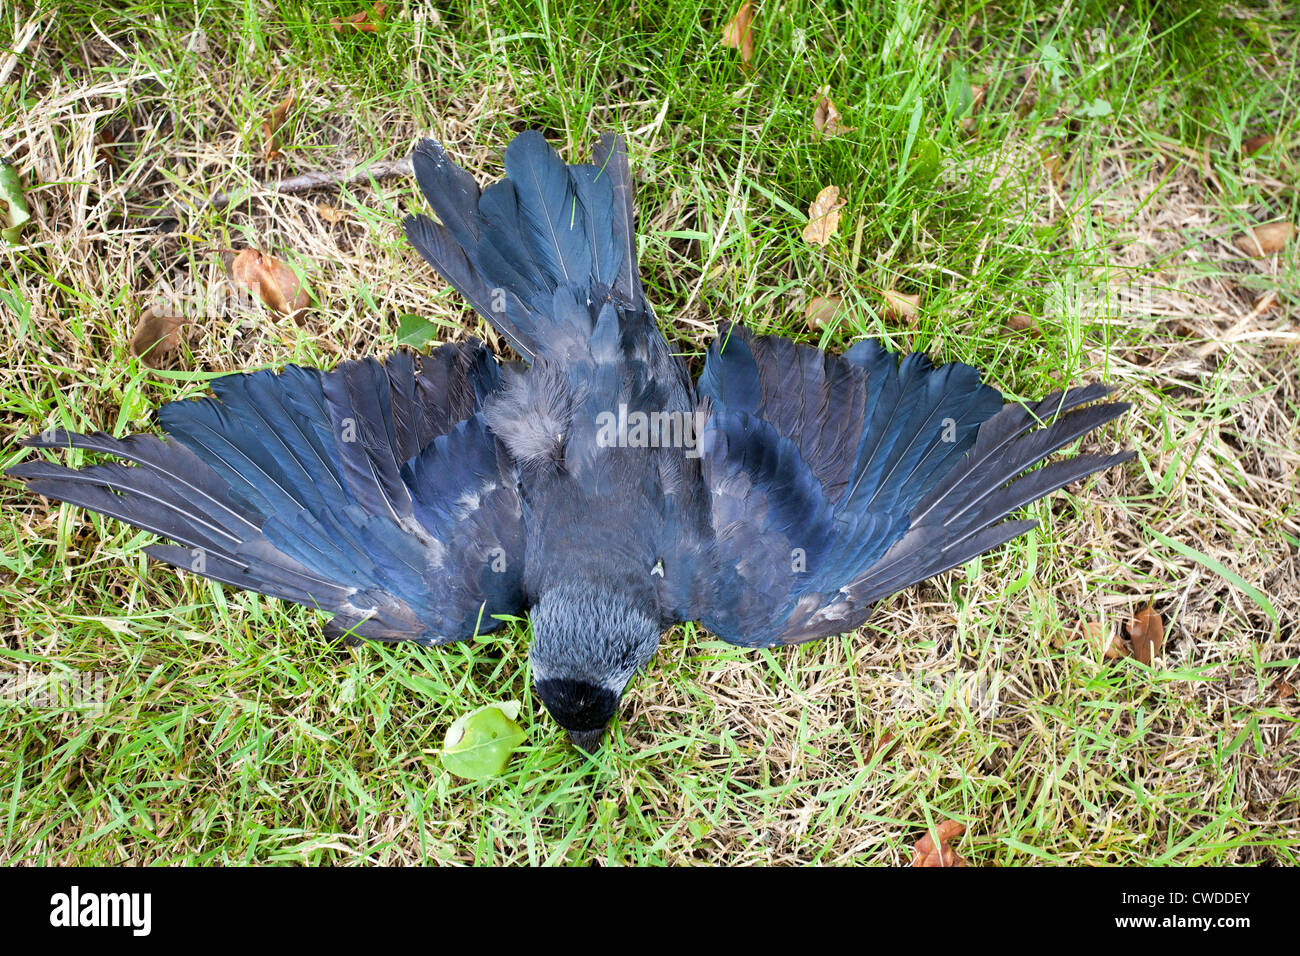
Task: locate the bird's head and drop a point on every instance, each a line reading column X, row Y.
column 587, row 644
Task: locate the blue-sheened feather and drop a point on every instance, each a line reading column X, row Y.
column 937, row 462
column 546, row 226
column 291, row 484
column 550, row 223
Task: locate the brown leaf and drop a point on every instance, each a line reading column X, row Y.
column 1095, row 635
column 1284, row 690
column 108, row 141
column 271, row 126
column 156, row 336
column 900, row 305
column 1253, row 145
column 977, row 94
column 826, row 118
column 1024, row 323
column 274, row 282
column 823, row 216
column 934, row 850
column 363, row 21
column 738, row 34
column 330, row 214
column 1147, row 632
column 1052, row 163
column 884, row 745
column 1266, row 238
column 821, row 310
column 1116, row 649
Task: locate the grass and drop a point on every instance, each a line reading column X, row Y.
column 1100, row 198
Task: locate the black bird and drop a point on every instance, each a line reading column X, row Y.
column 593, row 485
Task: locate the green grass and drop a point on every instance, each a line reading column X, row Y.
column 233, row 733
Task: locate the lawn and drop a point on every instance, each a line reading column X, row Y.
column 1052, row 192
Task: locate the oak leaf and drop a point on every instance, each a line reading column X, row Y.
column 156, row 336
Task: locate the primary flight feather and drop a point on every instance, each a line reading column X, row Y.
column 592, row 486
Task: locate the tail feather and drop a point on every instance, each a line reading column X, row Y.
column 496, row 304
column 511, row 248
column 610, row 155
column 452, row 191
column 547, row 213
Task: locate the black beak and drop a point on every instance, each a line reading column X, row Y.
column 588, row 740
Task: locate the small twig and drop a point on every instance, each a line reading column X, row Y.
column 383, row 169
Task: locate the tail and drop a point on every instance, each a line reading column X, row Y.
column 528, row 249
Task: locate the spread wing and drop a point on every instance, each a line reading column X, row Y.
column 374, row 492
column 837, row 481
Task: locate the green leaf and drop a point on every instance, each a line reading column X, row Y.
column 960, row 97
column 415, row 330
column 1096, row 109
column 479, row 744
column 925, row 161
column 11, row 195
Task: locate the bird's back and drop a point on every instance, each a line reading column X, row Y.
column 601, row 416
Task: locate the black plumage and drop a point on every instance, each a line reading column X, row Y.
column 594, row 486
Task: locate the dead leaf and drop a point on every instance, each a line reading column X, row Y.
column 1147, row 632
column 274, row 282
column 1099, row 637
column 935, row 851
column 738, row 34
column 1052, row 164
column 821, row 310
column 1256, row 143
column 1284, row 690
column 1266, row 238
column 271, row 126
column 826, row 118
column 363, row 21
column 977, row 94
column 330, row 214
column 1024, row 323
column 1095, row 635
column 823, row 216
column 156, row 336
column 885, row 745
column 900, row 305
column 107, row 143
